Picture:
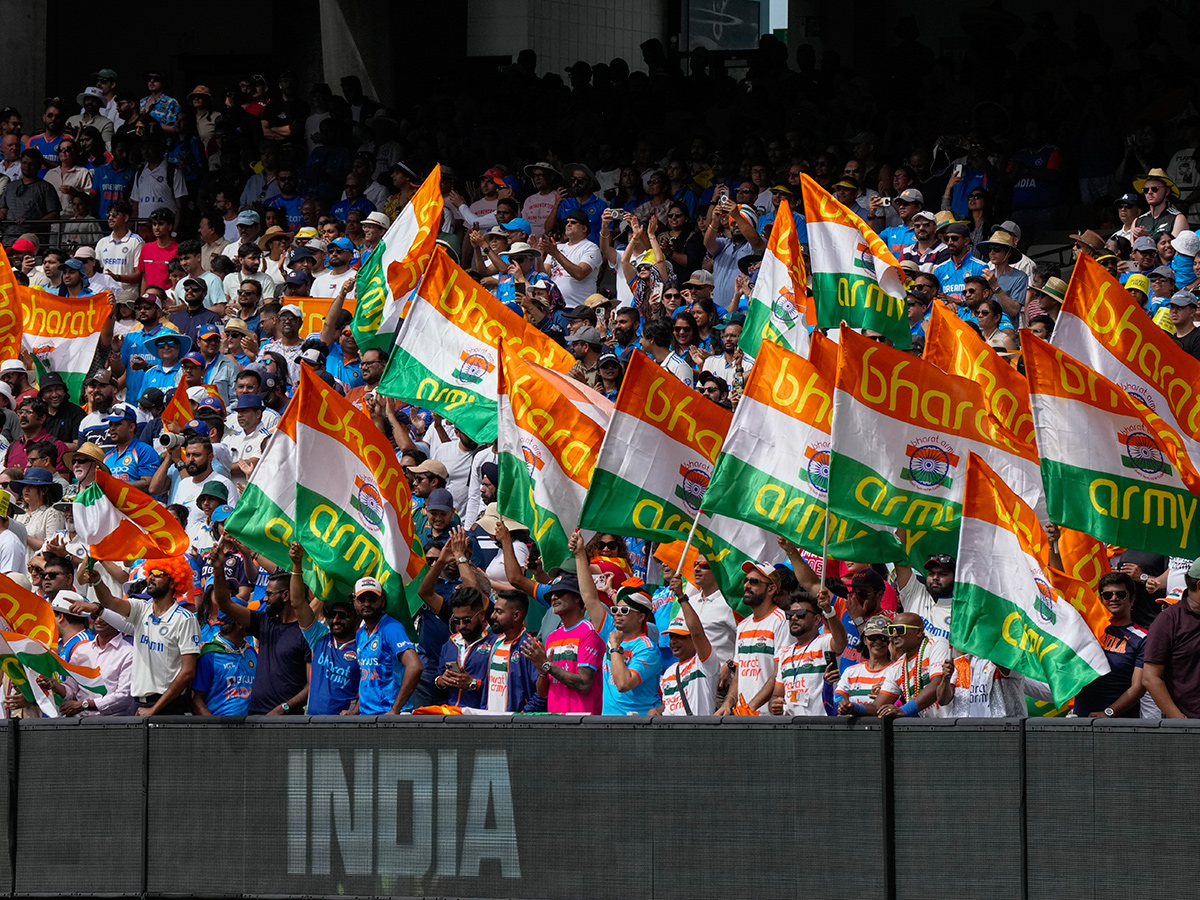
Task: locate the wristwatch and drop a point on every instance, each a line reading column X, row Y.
column 284, row 707
column 461, row 560
column 545, row 667
column 1109, row 712
column 1145, row 577
column 615, row 650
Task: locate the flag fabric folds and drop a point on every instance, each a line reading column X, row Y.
column 550, row 431
column 26, row 613
column 779, row 309
column 773, row 471
column 11, row 315
column 119, row 522
column 387, row 277
column 62, row 333
column 1112, row 467
column 856, row 279
column 178, row 410
column 1009, row 604
column 331, row 481
column 23, row 659
column 447, row 351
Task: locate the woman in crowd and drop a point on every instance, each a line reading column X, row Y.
column 39, row 493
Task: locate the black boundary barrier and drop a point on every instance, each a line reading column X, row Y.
column 570, row 807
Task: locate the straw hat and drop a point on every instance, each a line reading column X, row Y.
column 1055, row 289
column 1139, row 183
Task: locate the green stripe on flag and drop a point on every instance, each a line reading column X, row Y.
column 407, row 379
column 761, row 326
column 861, row 303
column 999, row 630
column 329, row 570
column 1128, row 512
column 371, row 291
column 742, row 491
column 516, row 501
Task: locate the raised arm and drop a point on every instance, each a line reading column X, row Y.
column 237, row 612
column 297, row 590
column 104, row 597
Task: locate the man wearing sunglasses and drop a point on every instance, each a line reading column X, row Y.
column 913, row 685
column 932, row 598
column 1121, row 692
column 463, row 667
column 798, row 688
column 759, row 636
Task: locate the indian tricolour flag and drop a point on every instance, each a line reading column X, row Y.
column 23, row 659
column 61, row 333
column 654, row 467
column 957, row 349
column 1010, row 606
column 856, row 279
column 773, row 471
column 1113, row 468
column 779, row 310
column 387, row 277
column 448, row 348
column 551, row 429
column 899, row 442
column 119, row 522
column 1105, row 329
column 329, row 479
column 11, row 317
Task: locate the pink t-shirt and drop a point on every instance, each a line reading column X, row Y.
column 154, row 263
column 571, row 648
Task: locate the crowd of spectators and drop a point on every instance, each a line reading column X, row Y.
column 211, row 213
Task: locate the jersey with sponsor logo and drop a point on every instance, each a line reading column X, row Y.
column 225, row 675
column 755, row 648
column 381, row 671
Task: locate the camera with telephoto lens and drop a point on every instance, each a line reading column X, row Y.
column 169, row 441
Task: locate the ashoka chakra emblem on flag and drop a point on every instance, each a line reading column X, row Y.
column 473, row 366
column 1043, row 603
column 816, row 470
column 783, row 307
column 1142, row 453
column 367, row 502
column 930, row 461
column 694, row 481
column 1138, row 392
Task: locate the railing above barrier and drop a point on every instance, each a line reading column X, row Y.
column 566, row 807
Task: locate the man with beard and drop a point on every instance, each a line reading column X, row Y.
column 372, row 362
column 915, row 679
column 388, row 662
column 725, row 364
column 166, row 637
column 288, row 344
column 333, row 686
column 932, row 600
column 225, row 673
column 463, row 666
column 101, row 390
column 62, row 416
column 130, row 460
column 573, row 653
column 136, row 358
column 585, row 346
column 513, row 682
column 281, row 685
column 182, row 478
column 625, row 332
column 799, row 685
column 759, row 636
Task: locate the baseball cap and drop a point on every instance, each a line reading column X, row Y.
column 24, row 245
column 194, row 358
column 580, row 312
column 292, row 310
column 342, row 243
column 76, row 264
column 701, row 278
column 368, row 585
column 518, row 224
column 678, row 626
column 150, row 398
column 208, row 331
column 194, row 282
column 1143, row 243
column 911, row 195
column 588, row 334
column 432, row 467
column 959, row 228
column 1194, row 570
column 222, row 512
column 766, row 570
column 1163, row 272
column 874, row 625
column 247, row 217
column 868, row 578
column 85, row 253
column 578, row 215
column 440, row 499
column 125, row 412
column 312, row 356
column 1184, row 298
column 249, row 401
column 204, row 404
column 925, row 216
column 100, row 376
column 198, row 427
column 563, row 583
column 298, row 276
column 298, row 253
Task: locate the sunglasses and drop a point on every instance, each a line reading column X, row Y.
column 877, row 638
column 675, row 295
column 247, row 293
column 339, row 613
column 798, row 613
column 894, row 630
column 1119, row 595
column 702, row 565
column 625, row 610
column 461, row 620
column 1151, row 190
column 942, row 559
column 157, row 572
column 682, row 329
column 609, row 545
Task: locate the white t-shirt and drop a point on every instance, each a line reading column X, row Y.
column 159, row 644
column 801, row 671
column 720, row 627
column 497, row 675
column 12, row 552
column 458, row 464
column 233, row 430
column 680, row 368
column 247, row 446
column 327, row 284
column 573, row 291
column 121, row 257
column 936, row 613
column 151, row 191
column 757, row 642
column 699, row 680
column 905, row 678
column 185, row 489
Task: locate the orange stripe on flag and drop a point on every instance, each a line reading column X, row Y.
column 791, row 384
column 653, row 395
column 26, row 612
column 10, row 310
column 179, row 409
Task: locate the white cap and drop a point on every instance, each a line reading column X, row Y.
column 13, row 365
column 367, row 585
column 6, row 391
column 290, row 310
column 198, row 393
column 62, row 602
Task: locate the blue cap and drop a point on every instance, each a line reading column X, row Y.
column 210, row 403
column 123, row 413
column 343, row 242
column 249, row 401
column 194, row 358
column 519, row 225
column 298, row 277
column 300, row 253
column 197, row 426
column 247, row 217
column 76, row 264
column 221, row 513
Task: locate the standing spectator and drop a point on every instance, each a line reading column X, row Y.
column 1171, row 672
column 155, row 257
column 574, row 263
column 166, row 637
column 163, row 108
column 539, row 205
column 387, row 659
column 1120, row 693
column 333, row 686
column 759, row 636
column 1159, row 191
column 46, row 141
column 157, row 184
column 119, row 254
column 112, row 653
column 225, row 673
column 799, row 685
column 281, row 683
column 514, row 684
column 689, row 687
column 68, row 177
column 914, row 684
column 931, row 600
column 28, row 198
column 574, row 652
column 952, row 273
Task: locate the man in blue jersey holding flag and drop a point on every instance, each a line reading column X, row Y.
column 333, row 686
column 225, row 673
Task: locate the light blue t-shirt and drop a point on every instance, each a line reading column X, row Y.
column 641, row 656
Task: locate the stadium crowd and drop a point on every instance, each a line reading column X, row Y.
column 210, row 214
